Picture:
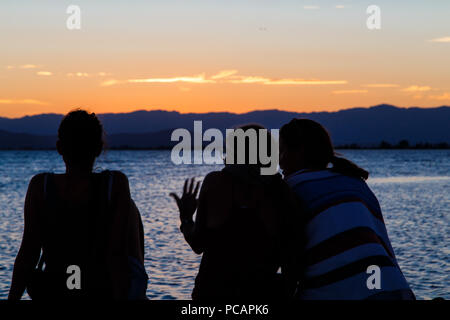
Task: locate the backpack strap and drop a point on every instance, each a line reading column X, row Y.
column 42, row 256
column 110, row 183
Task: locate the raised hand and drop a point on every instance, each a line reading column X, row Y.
column 187, row 204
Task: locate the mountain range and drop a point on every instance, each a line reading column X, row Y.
column 150, row 129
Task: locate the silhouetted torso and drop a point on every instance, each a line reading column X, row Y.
column 241, row 253
column 75, row 224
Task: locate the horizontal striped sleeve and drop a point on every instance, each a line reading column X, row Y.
column 344, row 258
column 348, row 270
column 342, row 242
column 341, row 218
column 317, row 210
column 355, row 287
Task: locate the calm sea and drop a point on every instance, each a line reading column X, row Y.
column 412, row 187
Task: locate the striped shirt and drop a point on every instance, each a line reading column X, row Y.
column 345, row 235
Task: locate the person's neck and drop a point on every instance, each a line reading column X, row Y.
column 78, row 172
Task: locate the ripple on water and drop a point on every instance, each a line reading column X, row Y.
column 412, row 187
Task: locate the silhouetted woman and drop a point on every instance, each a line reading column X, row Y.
column 347, row 254
column 238, row 228
column 86, row 224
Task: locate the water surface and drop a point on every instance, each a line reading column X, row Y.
column 411, row 185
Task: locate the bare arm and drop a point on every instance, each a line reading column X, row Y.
column 136, row 234
column 119, row 238
column 30, row 248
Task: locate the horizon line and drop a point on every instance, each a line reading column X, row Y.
column 227, row 112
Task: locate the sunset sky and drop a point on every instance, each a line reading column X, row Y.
column 229, row 55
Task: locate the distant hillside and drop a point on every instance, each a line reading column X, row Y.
column 10, row 140
column 17, row 141
column 363, row 126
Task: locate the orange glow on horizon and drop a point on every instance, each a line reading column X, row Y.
column 191, row 58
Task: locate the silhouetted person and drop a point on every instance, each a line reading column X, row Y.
column 82, row 219
column 238, row 228
column 347, row 254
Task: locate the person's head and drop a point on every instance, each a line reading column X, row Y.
column 246, row 145
column 80, row 139
column 305, row 144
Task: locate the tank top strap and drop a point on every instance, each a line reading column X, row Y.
column 110, row 183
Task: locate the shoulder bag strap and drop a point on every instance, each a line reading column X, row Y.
column 42, row 257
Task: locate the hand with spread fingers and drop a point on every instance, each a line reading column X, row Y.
column 187, row 204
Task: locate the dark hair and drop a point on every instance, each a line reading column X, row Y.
column 80, row 137
column 315, row 141
column 245, row 128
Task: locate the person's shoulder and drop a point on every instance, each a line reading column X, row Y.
column 36, row 185
column 119, row 175
column 37, row 179
column 118, row 185
column 119, row 180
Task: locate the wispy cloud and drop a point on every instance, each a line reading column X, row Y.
column 303, row 82
column 268, row 81
column 44, row 73
column 349, row 91
column 22, row 101
column 24, row 66
column 195, row 79
column 29, row 66
column 87, row 75
column 111, row 82
column 224, row 74
column 444, row 96
column 77, row 74
column 229, row 76
column 340, row 6
column 249, row 79
column 441, row 40
column 417, row 89
column 380, row 85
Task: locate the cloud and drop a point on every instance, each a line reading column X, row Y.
column 380, row 85
column 86, row 75
column 22, row 101
column 78, row 74
column 444, row 96
column 228, row 76
column 349, row 91
column 224, row 74
column 111, row 82
column 249, row 79
column 238, row 79
column 195, row 79
column 441, row 40
column 417, row 89
column 304, row 82
column 340, row 6
column 24, row 66
column 44, row 73
column 29, row 66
